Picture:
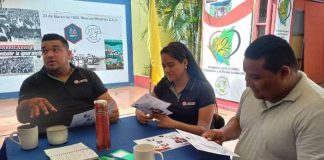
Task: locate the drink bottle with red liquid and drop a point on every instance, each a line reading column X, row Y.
column 102, row 125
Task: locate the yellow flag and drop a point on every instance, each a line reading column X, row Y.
column 154, row 44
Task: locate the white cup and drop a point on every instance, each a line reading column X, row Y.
column 57, row 134
column 27, row 136
column 145, row 152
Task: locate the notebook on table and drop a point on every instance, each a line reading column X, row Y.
column 71, row 152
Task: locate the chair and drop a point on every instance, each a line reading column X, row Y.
column 218, row 121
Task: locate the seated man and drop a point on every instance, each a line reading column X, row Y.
column 60, row 90
column 281, row 112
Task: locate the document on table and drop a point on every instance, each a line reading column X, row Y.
column 165, row 142
column 149, row 104
column 71, row 152
column 83, row 119
column 203, row 144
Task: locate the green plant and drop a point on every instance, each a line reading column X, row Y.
column 147, row 69
column 182, row 18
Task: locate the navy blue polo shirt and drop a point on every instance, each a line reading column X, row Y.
column 74, row 96
column 185, row 107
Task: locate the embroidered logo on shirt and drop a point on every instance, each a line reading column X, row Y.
column 184, row 103
column 80, row 81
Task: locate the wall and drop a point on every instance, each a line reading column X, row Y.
column 296, row 40
column 141, row 56
column 314, row 40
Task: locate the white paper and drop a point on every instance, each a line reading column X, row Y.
column 165, row 142
column 71, row 152
column 203, row 144
column 149, row 104
column 83, row 119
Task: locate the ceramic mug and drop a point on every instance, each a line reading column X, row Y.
column 145, row 152
column 57, row 134
column 27, row 136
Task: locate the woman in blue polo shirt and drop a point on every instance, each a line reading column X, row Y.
column 186, row 88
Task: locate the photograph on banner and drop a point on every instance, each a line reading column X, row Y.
column 89, row 38
column 20, row 37
column 226, row 34
column 218, row 8
column 114, row 54
column 283, row 19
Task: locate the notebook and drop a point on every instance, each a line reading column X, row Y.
column 71, row 152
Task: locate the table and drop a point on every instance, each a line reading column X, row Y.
column 122, row 133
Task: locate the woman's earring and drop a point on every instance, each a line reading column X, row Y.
column 185, row 66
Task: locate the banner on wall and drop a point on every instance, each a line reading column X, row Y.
column 226, row 35
column 98, row 34
column 283, row 19
column 92, row 43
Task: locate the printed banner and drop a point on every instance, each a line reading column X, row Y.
column 226, row 35
column 90, row 39
column 283, row 19
column 88, row 35
column 96, row 32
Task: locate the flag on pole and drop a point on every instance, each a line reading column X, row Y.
column 154, row 44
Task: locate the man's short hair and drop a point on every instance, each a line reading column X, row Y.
column 54, row 36
column 276, row 52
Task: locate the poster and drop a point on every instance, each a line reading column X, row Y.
column 87, row 36
column 226, row 35
column 98, row 34
column 283, row 19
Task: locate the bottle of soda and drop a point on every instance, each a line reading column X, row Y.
column 102, row 125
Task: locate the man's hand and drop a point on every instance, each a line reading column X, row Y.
column 216, row 135
column 114, row 116
column 38, row 105
column 142, row 117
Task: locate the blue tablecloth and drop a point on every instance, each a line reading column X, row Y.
column 122, row 135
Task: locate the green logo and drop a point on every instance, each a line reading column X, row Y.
column 222, row 85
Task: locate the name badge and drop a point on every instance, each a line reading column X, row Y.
column 80, row 81
column 184, row 103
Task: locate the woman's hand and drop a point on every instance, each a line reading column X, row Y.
column 142, row 117
column 163, row 121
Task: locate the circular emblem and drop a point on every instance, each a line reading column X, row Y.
column 93, row 33
column 222, row 85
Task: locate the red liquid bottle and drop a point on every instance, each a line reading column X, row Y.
column 102, row 125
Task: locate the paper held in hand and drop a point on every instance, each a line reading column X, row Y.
column 149, row 104
column 203, row 144
column 83, row 119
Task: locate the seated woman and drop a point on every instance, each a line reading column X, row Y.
column 186, row 88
